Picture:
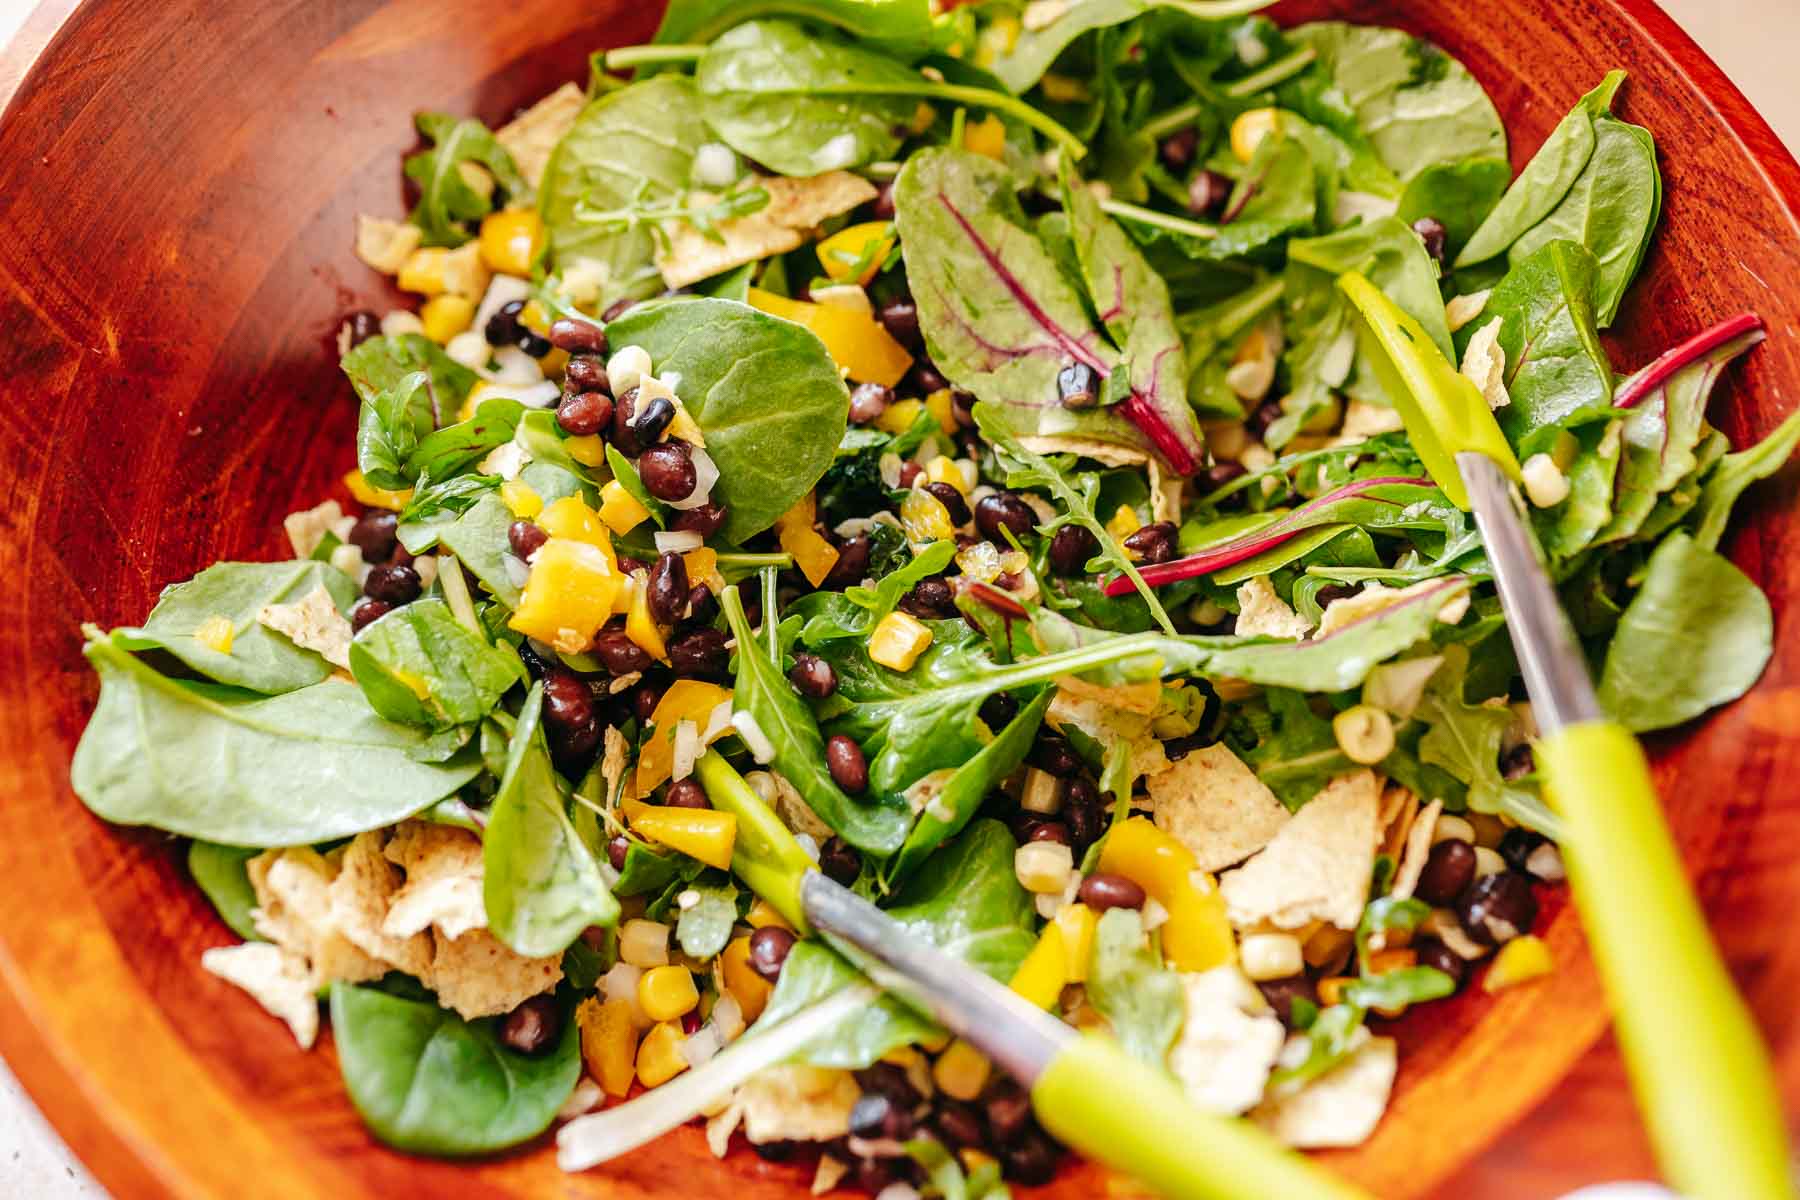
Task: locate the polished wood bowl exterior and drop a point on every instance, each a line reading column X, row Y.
column 178, row 182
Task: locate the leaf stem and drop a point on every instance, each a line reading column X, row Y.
column 626, row 57
column 1281, row 69
column 974, row 97
column 1158, row 127
column 456, row 593
column 1158, row 220
column 1214, row 10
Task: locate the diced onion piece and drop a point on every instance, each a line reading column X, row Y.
column 706, row 473
column 761, row 748
column 644, row 943
column 678, row 540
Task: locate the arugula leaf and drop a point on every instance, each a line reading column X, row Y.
column 1328, row 1043
column 1738, row 471
column 1291, row 748
column 1399, row 988
column 447, row 201
column 435, row 505
column 1697, row 634
column 1557, row 373
column 306, row 766
column 219, row 870
column 1128, row 985
column 1034, row 50
column 260, row 659
column 1464, row 739
column 420, row 666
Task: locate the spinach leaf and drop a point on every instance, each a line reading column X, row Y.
column 420, row 666
column 447, row 201
column 1698, row 634
column 1128, row 985
column 1736, row 472
column 1464, row 739
column 478, row 537
column 631, row 147
column 381, row 363
column 447, row 451
column 1557, row 372
column 965, row 900
column 219, row 870
column 856, row 611
column 647, row 870
column 1566, row 529
column 260, row 659
column 1458, row 194
column 428, row 1082
column 704, row 927
column 435, row 505
column 764, row 391
column 903, row 27
column 305, row 766
column 540, row 882
column 1034, row 49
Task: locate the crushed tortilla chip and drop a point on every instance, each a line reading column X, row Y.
column 475, row 975
column 443, row 881
column 1317, row 866
column 828, row 1174
column 360, row 896
column 795, row 812
column 308, row 527
column 1418, row 849
column 1340, row 1107
column 1230, row 1039
column 1262, row 613
column 1396, row 823
column 613, row 765
column 792, row 1102
column 385, row 245
column 795, row 208
column 533, row 134
column 1107, row 454
column 312, row 623
column 1215, row 806
column 1141, row 698
column 1484, row 364
column 1107, row 724
column 277, row 979
column 293, row 910
column 1372, row 598
column 1363, row 420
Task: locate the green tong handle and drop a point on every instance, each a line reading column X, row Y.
column 1697, row 1061
column 1117, row 1110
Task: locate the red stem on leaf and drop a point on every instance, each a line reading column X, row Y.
column 1142, row 413
column 1670, row 361
column 997, row 600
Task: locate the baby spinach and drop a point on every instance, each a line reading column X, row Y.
column 1458, row 194
column 1738, row 471
column 478, row 537
column 1697, row 634
column 1128, row 985
column 1034, row 50
column 214, row 763
column 427, row 1082
column 379, row 364
column 1566, row 529
column 540, row 882
column 764, row 391
column 704, row 927
column 1557, row 373
column 420, row 666
column 219, row 870
column 447, row 201
column 903, row 27
column 1464, row 739
column 259, row 659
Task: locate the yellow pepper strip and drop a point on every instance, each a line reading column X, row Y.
column 811, row 552
column 1077, row 922
column 510, row 240
column 423, row 271
column 703, row 833
column 1520, row 960
column 1041, row 977
column 370, row 496
column 521, row 498
column 608, row 1043
column 641, row 627
column 659, row 1057
column 589, row 451
column 899, row 416
column 751, row 990
column 568, row 595
column 686, row 700
column 1197, row 935
column 446, row 316
column 762, row 914
column 868, row 243
column 855, row 340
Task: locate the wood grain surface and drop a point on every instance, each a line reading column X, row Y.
column 178, row 182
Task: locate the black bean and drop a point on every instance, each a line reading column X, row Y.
column 616, row 850
column 1154, row 543
column 1053, row 755
column 535, row 663
column 583, row 414
column 577, row 337
column 525, row 537
column 1083, row 813
column 1431, row 231
column 1049, row 831
column 1497, row 908
column 532, row 1027
column 1516, row 847
column 901, row 319
column 891, row 1081
column 952, row 500
column 868, row 401
column 651, row 418
column 621, row 655
column 687, row 793
column 773, row 1151
column 929, row 599
column 644, row 699
column 925, row 378
column 909, row 473
column 1448, row 869
column 373, row 534
column 958, row 1125
column 534, row 344
column 1266, row 414
column 667, row 470
column 1032, row 1160
column 1334, row 591
column 586, row 373
column 1071, row 548
column 367, row 611
column 962, row 407
column 750, row 593
column 705, row 519
column 1517, row 763
column 362, row 325
column 631, row 566
column 1281, row 994
column 844, row 759
column 1177, row 150
column 571, row 721
column 1207, row 193
column 812, row 676
column 1429, row 952
column 875, row 1116
column 998, row 710
column 623, row 435
column 1077, row 385
column 617, row 309
column 1022, row 822
column 503, row 328
column 702, row 607
column 1003, row 511
column 1101, row 891
column 1220, row 474
column 769, row 948
column 1008, row 1111
column 1178, row 748
column 699, row 654
column 666, row 594
column 394, row 583
column 883, row 207
column 840, row 861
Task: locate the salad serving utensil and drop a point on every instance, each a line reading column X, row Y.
column 1696, row 1060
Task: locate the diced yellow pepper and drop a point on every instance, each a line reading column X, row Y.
column 855, row 340
column 763, row 914
column 750, row 989
column 423, row 271
column 941, row 405
column 535, row 317
column 659, row 1055
column 1197, row 935
column 570, row 517
column 1065, row 89
column 683, row 426
column 473, row 400
column 986, row 137
column 869, row 243
column 510, row 240
column 216, row 634
column 996, row 40
column 1041, row 977
column 1077, row 922
column 1250, row 128
column 370, row 496
column 641, row 627
column 589, row 451
column 703, row 833
column 943, row 469
column 686, row 700
column 620, row 509
column 1395, row 958
column 1524, row 958
column 446, row 316
column 568, row 595
column 1124, row 522
column 1331, row 990
column 974, row 1160
column 703, row 567
column 664, row 993
column 925, row 518
column 961, row 1071
column 924, row 116
column 899, row 416
column 811, row 552
column 608, row 1043
column 898, row 640
column 521, row 499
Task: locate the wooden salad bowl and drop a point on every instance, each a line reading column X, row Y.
column 178, row 183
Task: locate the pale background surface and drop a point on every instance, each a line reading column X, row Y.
column 1757, row 42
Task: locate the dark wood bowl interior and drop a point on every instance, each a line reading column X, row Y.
column 178, row 183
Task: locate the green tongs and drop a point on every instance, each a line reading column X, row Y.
column 1697, row 1063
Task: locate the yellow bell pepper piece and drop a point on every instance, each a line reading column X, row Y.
column 1331, row 990
column 898, row 640
column 899, row 416
column 608, row 1043
column 370, row 496
column 855, row 340
column 569, row 517
column 943, row 469
column 1520, row 960
column 1197, row 935
column 641, row 627
column 703, row 567
column 751, row 990
column 686, row 700
column 423, row 271
column 1124, row 522
column 620, row 509
column 811, row 552
column 510, row 240
column 589, row 451
column 1250, row 128
column 763, row 914
column 1077, row 923
column 868, row 243
column 446, row 316
column 521, row 499
column 664, row 993
column 703, row 833
column 986, row 137
column 925, row 518
column 659, row 1056
column 1041, row 977
column 568, row 595
column 940, row 405
column 961, row 1071
column 216, row 634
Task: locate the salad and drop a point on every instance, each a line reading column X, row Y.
column 931, row 448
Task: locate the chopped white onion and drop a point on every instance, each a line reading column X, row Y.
column 513, row 365
column 402, row 320
column 688, row 749
column 517, row 573
column 728, row 1017
column 678, row 540
column 621, row 982
column 468, row 348
column 898, row 1191
column 761, row 748
column 687, row 899
column 889, row 466
column 715, row 165
column 717, row 722
column 501, row 291
column 706, row 473
column 701, row 1046
column 1155, row 915
column 808, row 843
column 627, row 368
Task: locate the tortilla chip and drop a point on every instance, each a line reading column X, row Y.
column 277, row 979
column 1108, row 454
column 1484, row 364
column 360, row 896
column 1372, row 598
column 1418, row 849
column 293, row 910
column 1216, row 806
column 1229, row 1042
column 312, row 623
column 1106, row 724
column 795, row 1103
column 1318, row 866
column 1141, row 698
column 1262, row 613
column 1395, row 823
column 308, row 527
column 475, row 975
column 795, row 207
column 1342, row 1106
column 386, row 245
column 613, row 765
column 443, row 881
column 533, row 134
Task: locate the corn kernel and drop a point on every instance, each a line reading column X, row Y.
column 446, row 316
column 899, row 416
column 1250, row 128
column 608, row 1043
column 762, row 914
column 703, row 833
column 589, row 451
column 620, row 509
column 659, row 1057
column 980, row 561
column 961, row 1071
column 1331, row 991
column 898, row 640
column 944, row 470
column 1043, row 867
column 1267, row 956
column 510, row 240
column 986, row 137
column 216, row 633
column 423, row 271
column 521, row 499
column 750, row 989
column 942, row 407
column 1524, row 958
column 643, row 943
column 1395, row 958
column 370, row 496
column 1364, row 733
column 665, row 993
column 1327, row 944
column 1124, row 522
column 1077, row 923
